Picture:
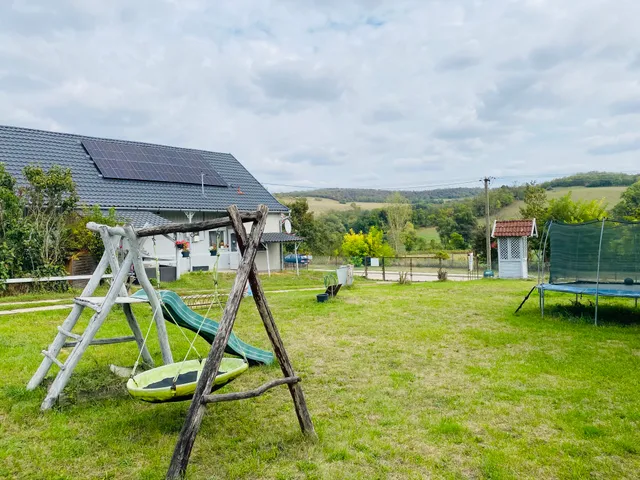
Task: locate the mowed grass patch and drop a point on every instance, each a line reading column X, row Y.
column 434, row 380
column 610, row 195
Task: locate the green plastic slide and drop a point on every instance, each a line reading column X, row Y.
column 175, row 311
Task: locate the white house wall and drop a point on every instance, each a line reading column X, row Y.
column 200, row 256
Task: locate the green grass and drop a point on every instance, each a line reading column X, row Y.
column 429, row 233
column 611, row 196
column 434, row 380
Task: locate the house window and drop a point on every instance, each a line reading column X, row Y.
column 216, row 237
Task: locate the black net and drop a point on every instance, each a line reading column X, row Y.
column 574, row 252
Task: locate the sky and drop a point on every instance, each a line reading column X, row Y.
column 396, row 94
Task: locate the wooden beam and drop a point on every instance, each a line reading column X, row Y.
column 182, row 451
column 152, row 295
column 193, row 227
column 104, row 341
column 302, row 412
column 229, row 397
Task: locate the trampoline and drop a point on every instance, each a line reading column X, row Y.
column 599, row 258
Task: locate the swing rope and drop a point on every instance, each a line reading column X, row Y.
column 215, row 299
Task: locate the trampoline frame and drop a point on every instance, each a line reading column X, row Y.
column 596, row 288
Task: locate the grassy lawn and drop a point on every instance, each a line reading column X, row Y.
column 611, row 196
column 419, row 381
column 429, row 233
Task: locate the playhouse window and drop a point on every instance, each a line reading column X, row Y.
column 514, row 248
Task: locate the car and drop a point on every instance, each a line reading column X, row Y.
column 302, row 259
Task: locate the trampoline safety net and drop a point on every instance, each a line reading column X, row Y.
column 576, row 252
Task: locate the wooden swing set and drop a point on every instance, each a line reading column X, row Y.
column 117, row 294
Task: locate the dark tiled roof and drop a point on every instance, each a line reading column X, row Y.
column 141, row 218
column 514, row 228
column 276, row 237
column 22, row 146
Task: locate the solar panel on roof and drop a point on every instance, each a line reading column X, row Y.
column 150, row 163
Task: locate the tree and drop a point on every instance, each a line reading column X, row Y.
column 50, row 199
column 360, row 245
column 398, row 214
column 409, row 237
column 10, row 227
column 565, row 209
column 457, row 219
column 81, row 239
column 629, row 206
column 457, row 241
column 535, row 203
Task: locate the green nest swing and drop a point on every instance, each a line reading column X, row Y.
column 177, row 381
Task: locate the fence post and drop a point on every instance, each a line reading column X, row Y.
column 411, row 268
column 384, row 278
column 366, row 271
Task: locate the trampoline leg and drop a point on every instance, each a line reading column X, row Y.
column 542, row 303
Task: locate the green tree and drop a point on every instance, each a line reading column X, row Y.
column 535, row 203
column 81, row 239
column 629, row 206
column 10, row 227
column 398, row 214
column 565, row 209
column 409, row 237
column 457, row 241
column 372, row 244
column 50, row 199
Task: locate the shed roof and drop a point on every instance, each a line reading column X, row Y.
column 20, row 147
column 515, row 228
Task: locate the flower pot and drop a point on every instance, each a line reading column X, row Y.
column 322, row 297
column 179, row 246
column 185, row 254
column 213, row 253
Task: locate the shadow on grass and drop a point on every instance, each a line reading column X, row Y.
column 617, row 314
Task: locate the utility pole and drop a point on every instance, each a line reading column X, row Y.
column 486, row 181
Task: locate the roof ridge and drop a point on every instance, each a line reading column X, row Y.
column 80, row 136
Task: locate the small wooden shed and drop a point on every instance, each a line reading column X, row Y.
column 512, row 246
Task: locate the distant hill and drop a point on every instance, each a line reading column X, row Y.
column 594, row 179
column 349, row 195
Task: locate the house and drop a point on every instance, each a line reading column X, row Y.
column 152, row 185
column 513, row 250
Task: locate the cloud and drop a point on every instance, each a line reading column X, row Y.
column 615, row 144
column 460, row 61
column 517, row 95
column 543, row 58
column 298, row 81
column 332, row 93
column 625, row 107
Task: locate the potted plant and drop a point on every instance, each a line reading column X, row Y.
column 180, row 244
column 185, row 250
column 213, row 250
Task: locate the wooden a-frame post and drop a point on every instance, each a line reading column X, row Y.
column 246, row 271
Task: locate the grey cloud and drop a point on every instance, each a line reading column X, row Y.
column 19, row 83
column 298, row 82
column 385, row 113
column 460, row 61
column 316, row 157
column 517, row 94
column 616, row 146
column 625, row 107
column 43, row 18
column 467, row 131
column 635, row 63
column 550, row 56
column 83, row 119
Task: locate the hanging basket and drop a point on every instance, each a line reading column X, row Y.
column 213, row 253
column 186, row 254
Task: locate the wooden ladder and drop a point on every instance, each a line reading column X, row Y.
column 101, row 306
